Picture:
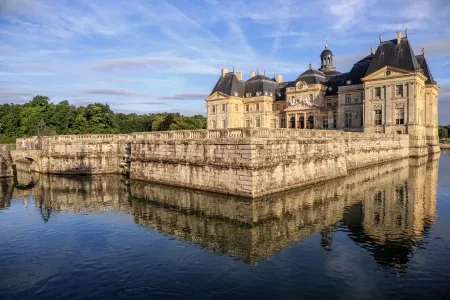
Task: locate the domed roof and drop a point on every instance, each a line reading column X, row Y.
column 326, row 52
column 311, row 76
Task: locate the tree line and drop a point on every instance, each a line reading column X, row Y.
column 444, row 132
column 39, row 116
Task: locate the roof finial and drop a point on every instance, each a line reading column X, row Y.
column 381, row 38
column 264, row 72
column 310, row 65
column 257, row 71
column 233, row 69
column 326, row 44
column 423, row 50
column 371, row 49
column 406, row 32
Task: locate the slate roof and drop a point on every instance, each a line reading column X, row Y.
column 312, row 76
column 425, row 69
column 389, row 53
column 229, row 84
column 260, row 83
column 325, row 52
column 335, row 83
column 359, row 69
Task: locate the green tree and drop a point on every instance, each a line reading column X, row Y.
column 443, row 132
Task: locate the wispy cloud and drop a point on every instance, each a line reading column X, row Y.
column 171, row 52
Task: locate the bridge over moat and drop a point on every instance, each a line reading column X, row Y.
column 243, row 161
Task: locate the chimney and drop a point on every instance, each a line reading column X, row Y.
column 224, row 71
column 279, row 78
column 399, row 37
column 239, row 75
column 252, row 74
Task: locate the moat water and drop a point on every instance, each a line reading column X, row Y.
column 380, row 233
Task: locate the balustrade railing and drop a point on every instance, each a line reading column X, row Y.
column 34, row 143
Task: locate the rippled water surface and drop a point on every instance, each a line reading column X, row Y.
column 381, row 232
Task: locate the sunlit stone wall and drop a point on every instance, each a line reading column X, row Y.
column 5, row 161
column 243, row 161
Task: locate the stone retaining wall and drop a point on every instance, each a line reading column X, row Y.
column 5, row 160
column 243, row 161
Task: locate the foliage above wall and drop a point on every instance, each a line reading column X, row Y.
column 41, row 117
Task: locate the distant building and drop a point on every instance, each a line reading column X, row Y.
column 391, row 91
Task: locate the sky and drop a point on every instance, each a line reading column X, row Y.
column 166, row 55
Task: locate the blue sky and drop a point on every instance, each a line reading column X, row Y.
column 155, row 55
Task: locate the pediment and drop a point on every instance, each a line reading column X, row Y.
column 386, row 73
column 217, row 96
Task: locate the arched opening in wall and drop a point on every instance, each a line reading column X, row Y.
column 310, row 123
column 301, row 122
column 292, row 122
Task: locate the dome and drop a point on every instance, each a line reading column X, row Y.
column 311, row 76
column 326, row 52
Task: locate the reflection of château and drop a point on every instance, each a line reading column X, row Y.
column 387, row 208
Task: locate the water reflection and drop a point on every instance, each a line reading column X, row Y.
column 386, row 209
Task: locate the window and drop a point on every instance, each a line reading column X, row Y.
column 213, row 109
column 362, row 96
column 223, row 124
column 377, row 92
column 334, row 121
column 356, row 116
column 247, row 123
column 348, row 98
column 377, row 118
column 236, row 124
column 311, row 97
column 283, row 123
column 236, row 107
column 356, row 99
column 213, row 124
column 246, row 108
column 325, row 121
column 224, row 108
column 400, row 116
column 257, row 106
column 258, row 122
column 399, row 90
column 272, row 123
column 348, row 119
column 328, row 103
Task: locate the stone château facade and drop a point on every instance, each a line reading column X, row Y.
column 391, row 91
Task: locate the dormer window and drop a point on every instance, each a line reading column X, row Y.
column 236, row 94
column 265, row 93
column 258, row 93
column 270, row 94
column 248, row 95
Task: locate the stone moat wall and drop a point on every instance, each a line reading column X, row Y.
column 246, row 162
column 6, row 160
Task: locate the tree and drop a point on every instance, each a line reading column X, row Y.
column 443, row 132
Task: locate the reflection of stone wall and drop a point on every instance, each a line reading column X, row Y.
column 393, row 216
column 383, row 203
column 78, row 194
column 260, row 227
column 6, row 190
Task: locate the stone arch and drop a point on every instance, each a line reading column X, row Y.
column 310, row 122
column 301, row 122
column 292, row 122
column 26, row 160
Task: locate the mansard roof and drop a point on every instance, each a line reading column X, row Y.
column 425, row 69
column 230, row 85
column 260, row 83
column 359, row 69
column 334, row 83
column 391, row 53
